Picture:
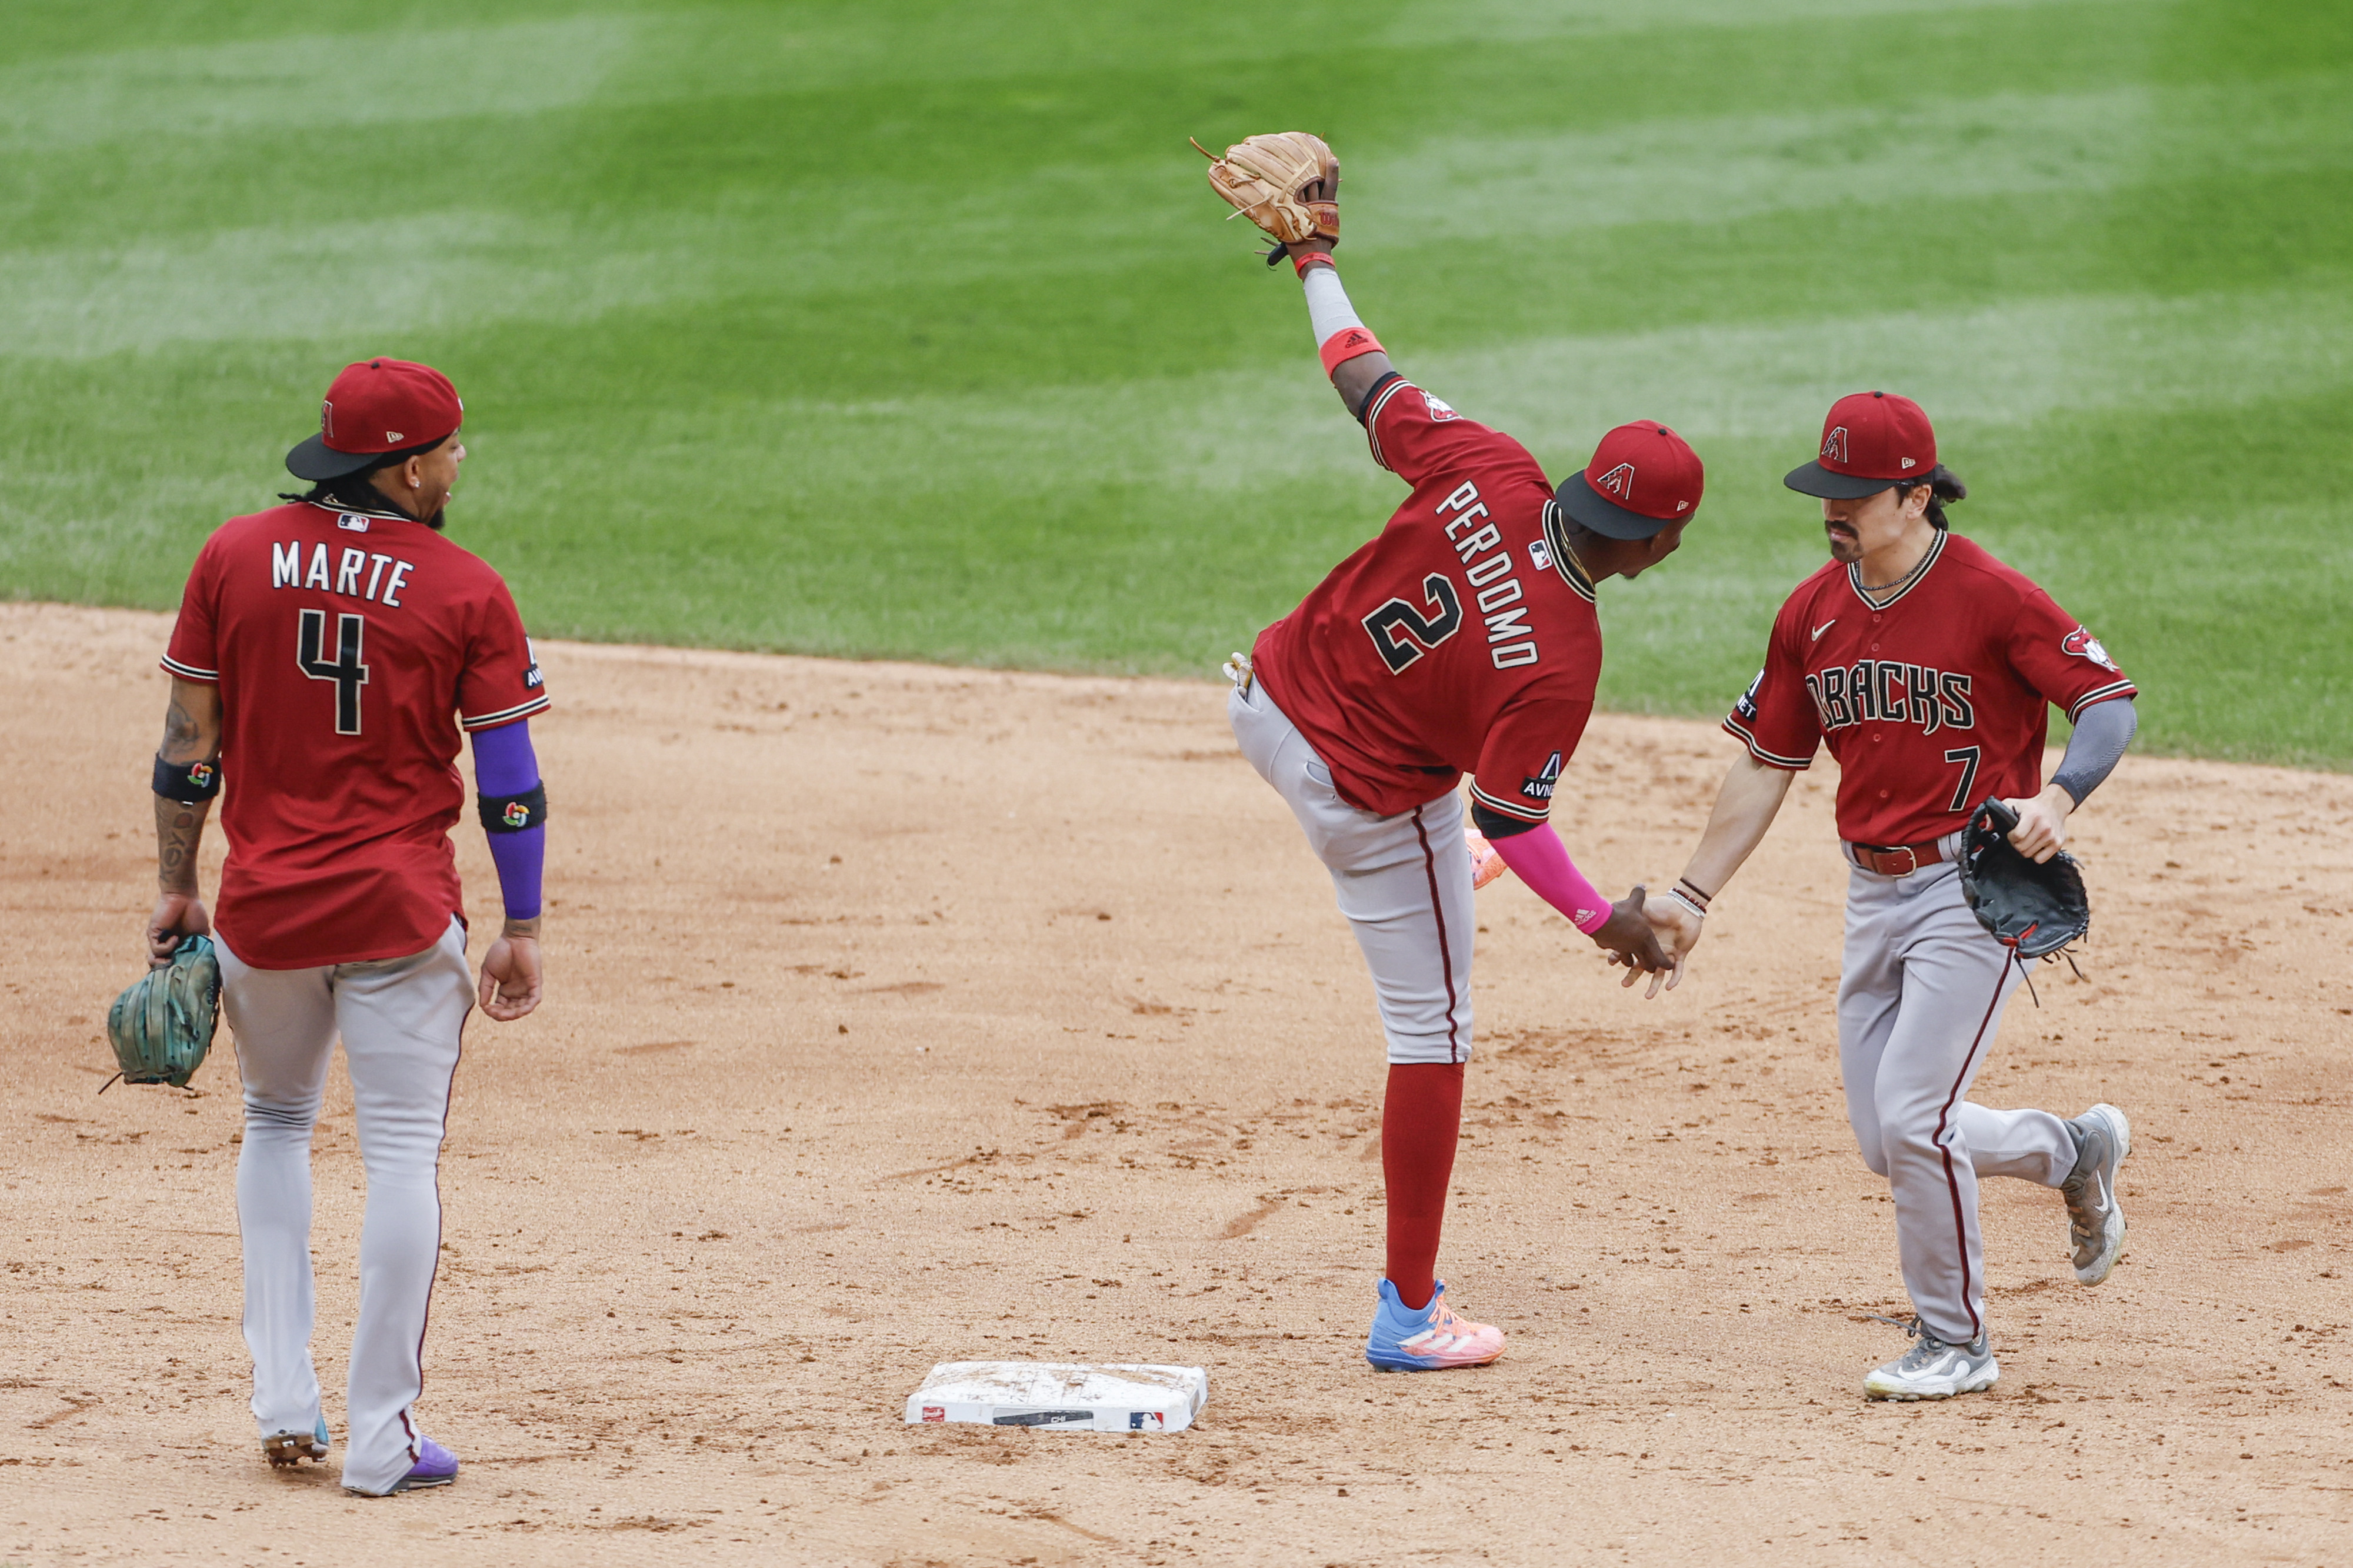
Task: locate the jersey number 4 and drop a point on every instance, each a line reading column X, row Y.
column 348, row 672
column 1403, row 634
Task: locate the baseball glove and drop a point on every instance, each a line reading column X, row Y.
column 2030, row 908
column 1287, row 183
column 162, row 1026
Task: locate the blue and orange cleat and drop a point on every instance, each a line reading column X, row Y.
column 1426, row 1339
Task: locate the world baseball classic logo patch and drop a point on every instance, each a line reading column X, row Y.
column 517, row 814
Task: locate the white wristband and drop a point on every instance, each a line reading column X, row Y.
column 1328, row 310
column 1677, row 894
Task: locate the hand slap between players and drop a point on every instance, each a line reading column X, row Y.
column 1628, row 937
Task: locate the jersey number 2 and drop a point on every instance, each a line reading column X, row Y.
column 1967, row 757
column 1403, row 634
column 348, row 672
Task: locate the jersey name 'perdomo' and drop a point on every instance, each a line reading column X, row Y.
column 348, row 651
column 1458, row 641
column 1930, row 703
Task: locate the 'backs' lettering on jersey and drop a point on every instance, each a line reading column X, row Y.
column 350, row 649
column 1930, row 703
column 1460, row 640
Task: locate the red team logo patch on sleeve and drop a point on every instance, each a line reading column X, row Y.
column 1440, row 409
column 2083, row 645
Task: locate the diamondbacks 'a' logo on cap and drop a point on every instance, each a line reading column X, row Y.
column 1834, row 445
column 327, row 419
column 1619, row 482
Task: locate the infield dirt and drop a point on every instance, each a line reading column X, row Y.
column 900, row 1014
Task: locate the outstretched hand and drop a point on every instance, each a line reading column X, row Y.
column 1629, row 938
column 1678, row 931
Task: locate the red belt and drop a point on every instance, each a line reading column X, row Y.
column 1896, row 859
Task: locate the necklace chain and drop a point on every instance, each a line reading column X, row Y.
column 1884, row 591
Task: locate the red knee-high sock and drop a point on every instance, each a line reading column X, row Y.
column 1420, row 1119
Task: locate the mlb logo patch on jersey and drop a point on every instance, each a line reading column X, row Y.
column 1539, row 554
column 351, row 522
column 2083, row 645
column 1440, row 409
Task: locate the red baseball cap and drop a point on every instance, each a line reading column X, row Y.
column 1643, row 477
column 377, row 406
column 1870, row 440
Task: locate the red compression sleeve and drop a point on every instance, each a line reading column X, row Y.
column 1543, row 863
column 1421, row 1117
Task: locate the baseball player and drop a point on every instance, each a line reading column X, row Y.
column 1463, row 639
column 327, row 654
column 1928, row 668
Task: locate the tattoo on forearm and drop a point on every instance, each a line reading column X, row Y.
column 179, row 831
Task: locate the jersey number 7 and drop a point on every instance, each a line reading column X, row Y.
column 1403, row 634
column 348, row 672
column 1967, row 757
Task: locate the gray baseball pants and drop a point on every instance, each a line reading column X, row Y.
column 399, row 1020
column 1919, row 1001
column 1403, row 881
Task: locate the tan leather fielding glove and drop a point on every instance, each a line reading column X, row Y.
column 1287, row 183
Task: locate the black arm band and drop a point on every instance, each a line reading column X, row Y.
column 514, row 813
column 190, row 783
column 1495, row 825
column 1375, row 391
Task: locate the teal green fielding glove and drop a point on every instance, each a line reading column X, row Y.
column 162, row 1026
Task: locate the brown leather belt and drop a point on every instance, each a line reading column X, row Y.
column 1896, row 859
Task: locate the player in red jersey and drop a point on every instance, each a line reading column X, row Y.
column 1928, row 668
column 327, row 654
column 1461, row 640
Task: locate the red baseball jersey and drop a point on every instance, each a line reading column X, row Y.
column 1461, row 640
column 350, row 650
column 1930, row 703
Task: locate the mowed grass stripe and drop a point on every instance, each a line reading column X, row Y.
column 450, row 270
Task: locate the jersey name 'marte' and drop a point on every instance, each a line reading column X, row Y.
column 1890, row 691
column 340, row 572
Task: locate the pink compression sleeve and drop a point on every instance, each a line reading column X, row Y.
column 1543, row 863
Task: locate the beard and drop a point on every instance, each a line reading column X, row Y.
column 1845, row 548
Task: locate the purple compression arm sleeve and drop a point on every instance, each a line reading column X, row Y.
column 1543, row 863
column 505, row 764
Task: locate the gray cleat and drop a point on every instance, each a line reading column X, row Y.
column 291, row 1447
column 1933, row 1369
column 2095, row 1220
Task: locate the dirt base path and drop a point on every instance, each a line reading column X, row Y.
column 903, row 1015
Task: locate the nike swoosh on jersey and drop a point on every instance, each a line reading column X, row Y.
column 1823, row 627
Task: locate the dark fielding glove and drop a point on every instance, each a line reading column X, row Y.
column 162, row 1026
column 2031, row 909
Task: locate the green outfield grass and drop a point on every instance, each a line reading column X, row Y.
column 912, row 330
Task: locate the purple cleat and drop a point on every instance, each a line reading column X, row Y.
column 435, row 1467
